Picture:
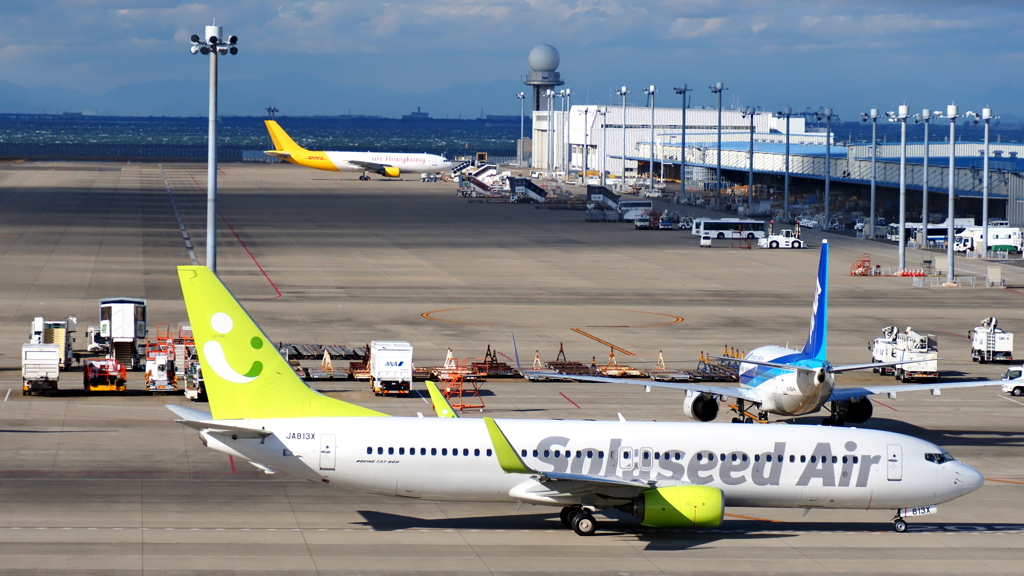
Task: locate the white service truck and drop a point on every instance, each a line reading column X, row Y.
column 40, row 368
column 784, row 239
column 989, row 343
column 1013, row 382
column 919, row 351
column 390, row 367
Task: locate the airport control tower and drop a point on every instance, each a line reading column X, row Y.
column 542, row 76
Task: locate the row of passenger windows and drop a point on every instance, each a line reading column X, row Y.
column 402, row 451
column 645, row 455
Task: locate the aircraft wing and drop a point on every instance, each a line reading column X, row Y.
column 511, row 463
column 371, row 166
column 698, row 387
column 848, row 393
column 849, row 367
column 203, row 421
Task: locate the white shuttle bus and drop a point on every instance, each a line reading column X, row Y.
column 729, row 228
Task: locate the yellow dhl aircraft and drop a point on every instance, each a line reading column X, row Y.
column 391, row 164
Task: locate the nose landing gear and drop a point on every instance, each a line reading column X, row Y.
column 899, row 524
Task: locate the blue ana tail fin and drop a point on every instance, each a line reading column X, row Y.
column 816, row 337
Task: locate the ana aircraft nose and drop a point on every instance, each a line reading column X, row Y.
column 972, row 479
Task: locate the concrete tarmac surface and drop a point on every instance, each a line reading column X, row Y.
column 109, row 484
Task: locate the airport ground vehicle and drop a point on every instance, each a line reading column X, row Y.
column 642, row 222
column 195, row 388
column 104, row 375
column 1001, row 239
column 630, row 210
column 919, row 353
column 784, row 239
column 40, row 368
column 390, row 367
column 57, row 332
column 729, row 228
column 160, row 376
column 1013, row 380
column 989, row 343
column 123, row 324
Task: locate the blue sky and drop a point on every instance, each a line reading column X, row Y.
column 464, row 57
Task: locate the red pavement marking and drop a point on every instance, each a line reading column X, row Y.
column 570, row 401
column 244, row 247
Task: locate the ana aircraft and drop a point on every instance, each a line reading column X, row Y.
column 788, row 382
column 666, row 474
column 391, row 164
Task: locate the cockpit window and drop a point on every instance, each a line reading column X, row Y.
column 939, row 458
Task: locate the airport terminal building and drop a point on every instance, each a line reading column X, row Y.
column 614, row 138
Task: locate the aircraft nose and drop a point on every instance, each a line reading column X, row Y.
column 971, row 478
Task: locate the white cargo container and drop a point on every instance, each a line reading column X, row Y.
column 990, row 343
column 390, row 367
column 40, row 368
column 919, row 351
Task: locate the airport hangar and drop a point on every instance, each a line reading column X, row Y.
column 599, row 129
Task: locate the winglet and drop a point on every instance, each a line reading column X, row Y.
column 816, row 336
column 441, row 405
column 509, row 461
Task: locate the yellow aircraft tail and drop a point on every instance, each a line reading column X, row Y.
column 286, row 149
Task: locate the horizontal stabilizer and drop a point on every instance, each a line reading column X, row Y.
column 278, row 154
column 201, row 421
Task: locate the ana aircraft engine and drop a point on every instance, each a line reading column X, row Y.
column 703, row 407
column 855, row 410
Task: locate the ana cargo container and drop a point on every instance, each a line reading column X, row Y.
column 390, row 367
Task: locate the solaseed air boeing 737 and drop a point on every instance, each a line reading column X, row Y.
column 787, row 382
column 391, row 164
column 666, row 474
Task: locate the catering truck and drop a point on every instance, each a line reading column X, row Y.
column 390, row 367
column 40, row 368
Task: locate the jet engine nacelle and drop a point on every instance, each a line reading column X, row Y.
column 389, row 171
column 679, row 507
column 703, row 407
column 856, row 410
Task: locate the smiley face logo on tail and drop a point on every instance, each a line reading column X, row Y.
column 223, row 324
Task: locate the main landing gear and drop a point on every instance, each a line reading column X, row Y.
column 834, row 420
column 744, row 417
column 899, row 524
column 580, row 519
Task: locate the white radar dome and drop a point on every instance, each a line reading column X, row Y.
column 544, row 58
